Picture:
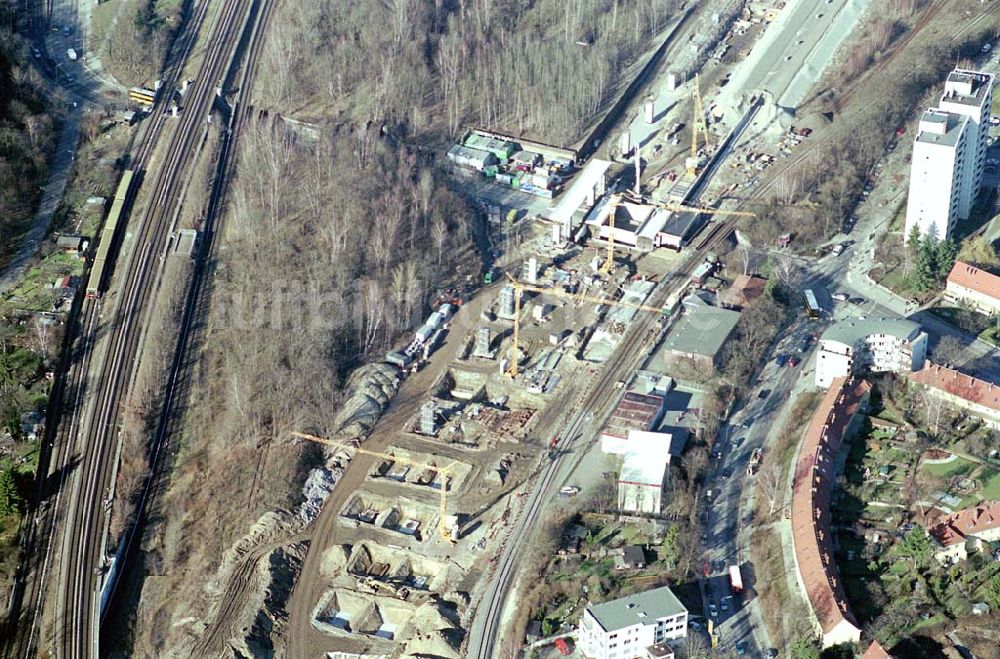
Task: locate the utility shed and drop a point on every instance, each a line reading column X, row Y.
column 186, row 240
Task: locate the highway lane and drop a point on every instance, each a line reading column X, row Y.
column 793, row 51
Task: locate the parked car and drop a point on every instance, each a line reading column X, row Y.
column 841, row 297
column 857, row 300
column 772, row 653
column 741, row 648
column 763, row 393
column 781, row 360
column 713, row 610
column 793, row 362
column 837, row 250
column 747, row 422
column 737, row 442
column 727, row 472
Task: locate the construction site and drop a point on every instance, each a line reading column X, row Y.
column 597, row 285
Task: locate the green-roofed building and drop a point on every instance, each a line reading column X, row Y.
column 502, row 149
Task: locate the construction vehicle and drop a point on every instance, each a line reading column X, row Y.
column 735, row 579
column 446, row 525
column 520, row 287
column 373, row 585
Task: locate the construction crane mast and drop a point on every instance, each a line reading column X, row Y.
column 520, row 287
column 697, row 125
column 445, row 473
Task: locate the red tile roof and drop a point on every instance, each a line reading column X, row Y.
column 876, row 651
column 958, row 384
column 745, row 288
column 971, row 277
column 955, row 528
column 814, row 474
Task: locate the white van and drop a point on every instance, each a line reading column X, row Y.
column 70, row 53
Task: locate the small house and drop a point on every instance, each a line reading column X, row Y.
column 71, row 244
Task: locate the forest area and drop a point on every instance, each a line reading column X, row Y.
column 132, row 37
column 543, row 69
column 26, row 134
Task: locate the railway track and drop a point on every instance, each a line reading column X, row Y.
column 58, row 447
column 83, row 549
column 189, row 336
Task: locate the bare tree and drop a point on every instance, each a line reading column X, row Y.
column 770, row 485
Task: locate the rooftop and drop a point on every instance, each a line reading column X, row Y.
column 966, row 387
column 647, row 458
column 635, row 411
column 814, row 472
column 702, row 330
column 850, row 332
column 971, row 277
column 744, row 289
column 955, row 528
column 966, row 87
column 876, row 651
column 638, row 609
column 941, row 128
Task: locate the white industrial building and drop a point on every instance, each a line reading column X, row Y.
column 949, row 152
column 858, row 346
column 638, row 625
column 645, row 468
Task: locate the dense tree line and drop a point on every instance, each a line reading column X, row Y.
column 25, row 134
column 543, row 68
column 138, row 39
column 932, row 260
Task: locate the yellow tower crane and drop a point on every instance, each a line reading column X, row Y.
column 520, row 287
column 609, row 260
column 697, row 124
column 445, row 473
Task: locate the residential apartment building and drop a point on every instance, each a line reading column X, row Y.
column 638, row 625
column 837, row 418
column 874, row 345
column 971, row 287
column 949, row 153
column 975, row 396
column 965, row 531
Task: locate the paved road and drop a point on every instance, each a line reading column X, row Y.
column 793, row 52
column 76, row 88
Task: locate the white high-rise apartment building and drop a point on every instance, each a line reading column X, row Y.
column 949, row 153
